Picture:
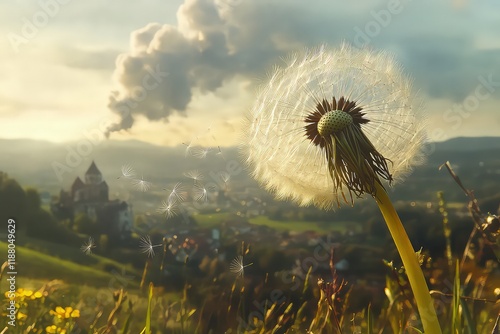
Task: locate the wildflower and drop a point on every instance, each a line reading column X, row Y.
column 147, row 246
column 87, row 247
column 237, row 267
column 21, row 316
column 52, row 329
column 333, row 123
column 65, row 313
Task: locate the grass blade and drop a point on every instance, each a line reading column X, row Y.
column 369, row 320
column 148, row 315
column 455, row 320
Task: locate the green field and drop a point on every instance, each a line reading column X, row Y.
column 303, row 226
column 34, row 264
column 216, row 219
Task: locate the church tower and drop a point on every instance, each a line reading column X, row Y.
column 93, row 175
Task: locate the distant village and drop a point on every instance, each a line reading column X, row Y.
column 90, row 196
column 186, row 239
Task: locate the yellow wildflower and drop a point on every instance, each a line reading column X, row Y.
column 75, row 314
column 51, row 329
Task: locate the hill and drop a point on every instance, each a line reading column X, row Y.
column 51, row 167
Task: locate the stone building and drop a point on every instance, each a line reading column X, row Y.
column 91, row 197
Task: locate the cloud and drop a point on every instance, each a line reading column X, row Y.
column 216, row 41
column 80, row 58
column 212, row 43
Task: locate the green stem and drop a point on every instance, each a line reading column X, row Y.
column 423, row 298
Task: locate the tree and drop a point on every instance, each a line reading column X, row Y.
column 84, row 224
column 12, row 199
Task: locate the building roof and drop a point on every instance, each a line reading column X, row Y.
column 78, row 183
column 93, row 170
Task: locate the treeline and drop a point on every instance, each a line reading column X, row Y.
column 24, row 206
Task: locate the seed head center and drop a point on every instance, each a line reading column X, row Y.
column 334, row 121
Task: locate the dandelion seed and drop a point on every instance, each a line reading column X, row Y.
column 200, row 193
column 189, row 146
column 168, row 208
column 147, row 246
column 237, row 267
column 87, row 246
column 194, row 174
column 141, row 184
column 225, row 177
column 219, row 152
column 127, row 171
column 177, row 192
column 200, row 152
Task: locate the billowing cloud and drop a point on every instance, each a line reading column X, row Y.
column 216, row 41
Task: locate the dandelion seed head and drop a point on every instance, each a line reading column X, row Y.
column 297, row 134
column 333, row 121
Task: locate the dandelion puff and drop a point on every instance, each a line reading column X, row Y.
column 194, row 175
column 333, row 125
column 141, row 184
column 302, row 130
column 127, row 171
column 87, row 246
column 168, row 208
column 147, row 247
column 237, row 267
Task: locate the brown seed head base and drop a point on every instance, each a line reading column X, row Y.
column 352, row 159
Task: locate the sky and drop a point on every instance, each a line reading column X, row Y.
column 168, row 72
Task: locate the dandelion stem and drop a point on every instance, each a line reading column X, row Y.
column 423, row 298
